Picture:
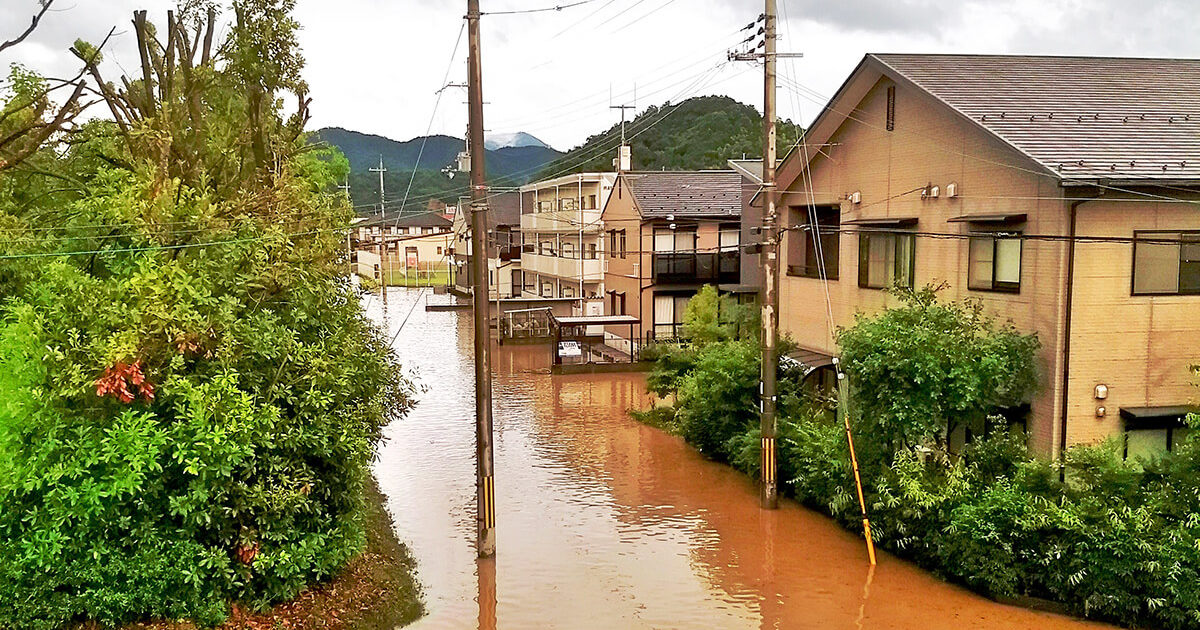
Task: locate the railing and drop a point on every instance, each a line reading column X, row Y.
column 697, row 268
column 526, row 324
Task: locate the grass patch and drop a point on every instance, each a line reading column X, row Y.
column 662, row 418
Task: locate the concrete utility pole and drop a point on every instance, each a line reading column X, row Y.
column 381, row 170
column 769, row 260
column 485, row 473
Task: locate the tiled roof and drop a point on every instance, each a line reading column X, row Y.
column 686, row 193
column 1084, row 118
column 504, row 209
column 422, row 218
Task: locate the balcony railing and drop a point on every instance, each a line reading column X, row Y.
column 697, row 268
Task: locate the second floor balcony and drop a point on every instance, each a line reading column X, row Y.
column 697, row 267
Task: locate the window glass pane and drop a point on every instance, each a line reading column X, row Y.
column 904, row 260
column 1189, row 264
column 664, row 309
column 979, row 263
column 680, row 308
column 729, row 239
column 1008, row 261
column 882, row 248
column 1145, row 444
column 664, row 241
column 1179, row 436
column 1156, row 265
column 685, row 241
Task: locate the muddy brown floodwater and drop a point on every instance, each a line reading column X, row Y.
column 606, row 523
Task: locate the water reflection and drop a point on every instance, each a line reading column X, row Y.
column 604, row 522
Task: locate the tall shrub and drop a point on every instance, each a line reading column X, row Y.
column 190, row 397
column 918, row 367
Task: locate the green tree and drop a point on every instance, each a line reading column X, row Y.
column 918, row 368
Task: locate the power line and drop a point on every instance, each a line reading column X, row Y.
column 559, row 7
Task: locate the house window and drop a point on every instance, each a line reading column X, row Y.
column 1166, row 263
column 568, row 250
column 885, row 260
column 804, row 257
column 667, row 241
column 546, row 248
column 621, row 244
column 590, row 252
column 668, row 315
column 995, row 262
column 568, row 292
column 439, row 251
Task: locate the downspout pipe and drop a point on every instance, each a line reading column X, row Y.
column 1066, row 371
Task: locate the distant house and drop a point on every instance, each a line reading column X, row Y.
column 418, row 241
column 1060, row 191
column 504, row 244
column 668, row 234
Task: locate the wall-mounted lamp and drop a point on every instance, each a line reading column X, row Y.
column 1101, row 392
column 1101, row 411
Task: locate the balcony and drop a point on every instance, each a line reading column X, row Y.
column 697, row 268
column 561, row 221
column 588, row 270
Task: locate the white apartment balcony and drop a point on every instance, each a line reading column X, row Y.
column 588, row 270
column 561, row 221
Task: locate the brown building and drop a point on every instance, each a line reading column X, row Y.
column 504, row 244
column 1060, row 191
column 668, row 234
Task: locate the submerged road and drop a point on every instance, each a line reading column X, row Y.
column 606, row 523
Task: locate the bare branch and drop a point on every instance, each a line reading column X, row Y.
column 36, row 19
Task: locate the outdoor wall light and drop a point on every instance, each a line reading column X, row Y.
column 1101, row 411
column 1101, row 392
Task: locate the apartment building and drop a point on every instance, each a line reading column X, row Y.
column 1061, row 192
column 504, row 245
column 668, row 234
column 560, row 225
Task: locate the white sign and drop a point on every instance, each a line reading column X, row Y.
column 569, row 349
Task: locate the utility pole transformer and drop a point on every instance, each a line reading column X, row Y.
column 485, row 472
column 769, row 260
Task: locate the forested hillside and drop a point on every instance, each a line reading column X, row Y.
column 699, row 133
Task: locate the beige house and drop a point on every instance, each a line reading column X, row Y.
column 1060, row 191
column 668, row 234
column 560, row 227
column 421, row 242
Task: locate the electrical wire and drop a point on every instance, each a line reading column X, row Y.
column 559, row 7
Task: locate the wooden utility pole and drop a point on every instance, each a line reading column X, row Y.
column 769, row 261
column 485, row 473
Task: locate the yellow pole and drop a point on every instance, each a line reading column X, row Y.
column 844, row 411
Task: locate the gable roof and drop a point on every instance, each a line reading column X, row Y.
column 686, row 193
column 504, row 209
column 1081, row 119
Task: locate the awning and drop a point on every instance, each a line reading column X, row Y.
column 1164, row 417
column 885, row 222
column 810, row 359
column 597, row 320
column 988, row 218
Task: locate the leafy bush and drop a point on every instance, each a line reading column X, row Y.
column 718, row 399
column 916, row 368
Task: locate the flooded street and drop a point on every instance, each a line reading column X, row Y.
column 606, row 523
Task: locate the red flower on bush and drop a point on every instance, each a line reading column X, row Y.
column 120, row 381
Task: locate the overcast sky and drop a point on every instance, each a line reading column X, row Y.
column 374, row 65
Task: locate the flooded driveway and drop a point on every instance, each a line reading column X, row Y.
column 606, row 523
